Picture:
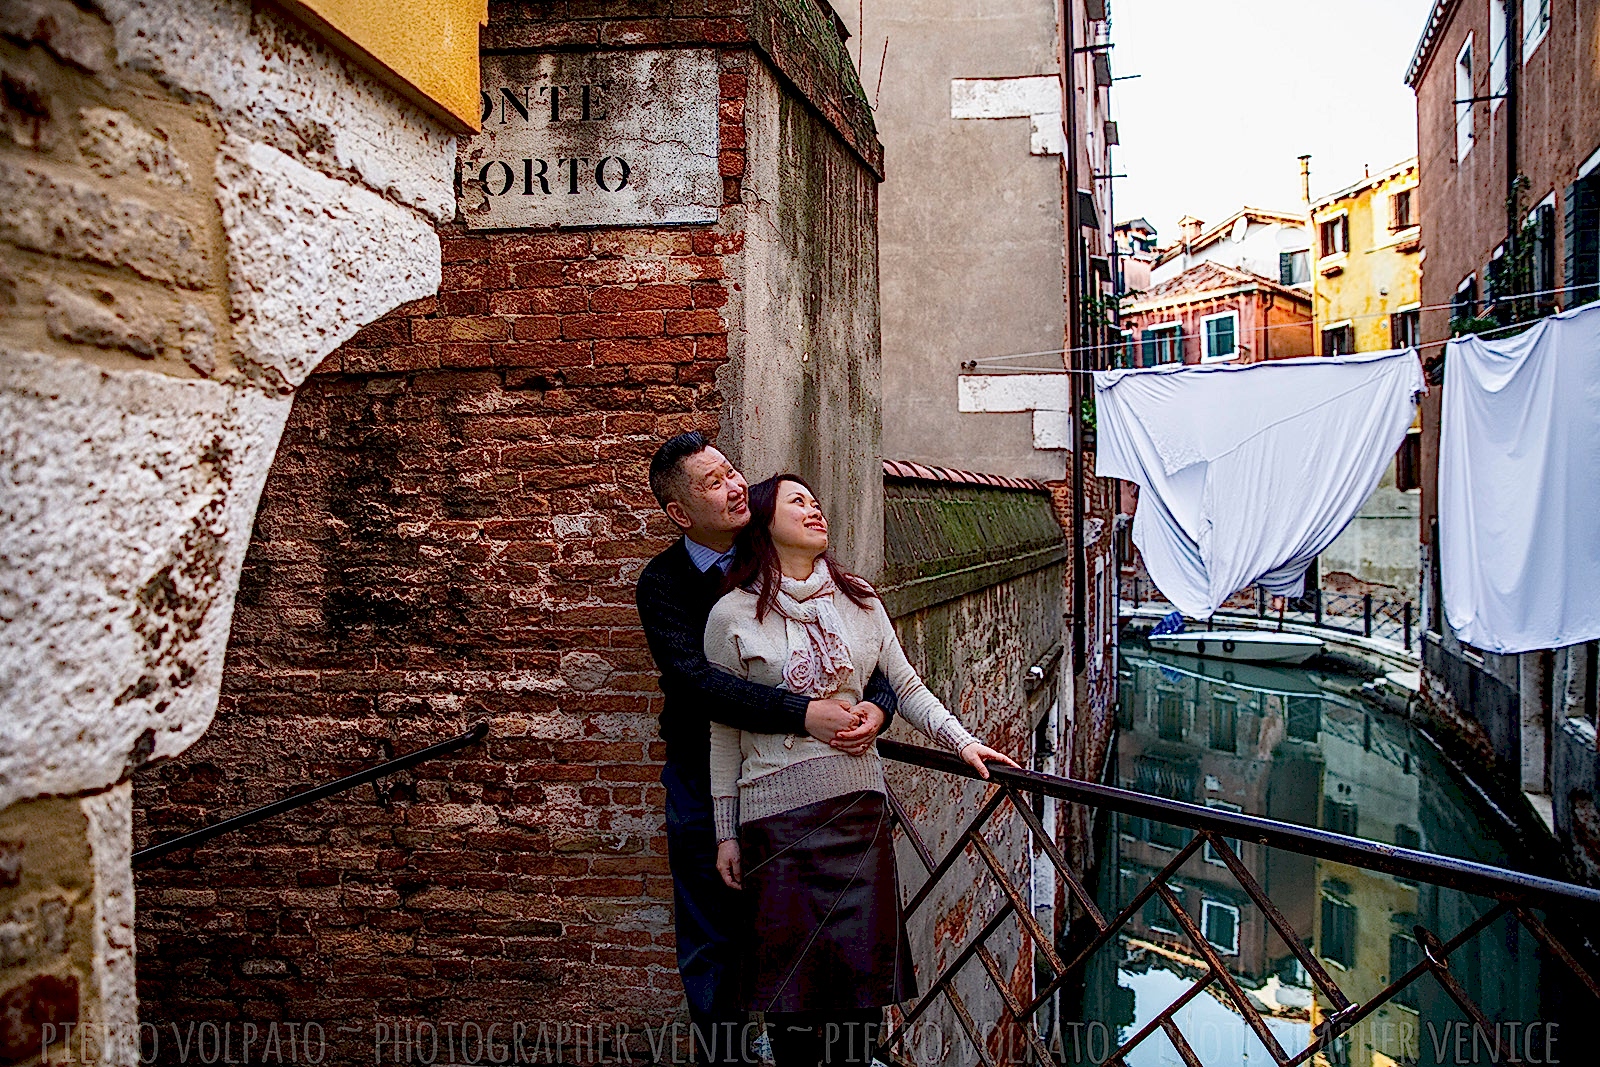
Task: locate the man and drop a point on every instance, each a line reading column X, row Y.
column 704, row 496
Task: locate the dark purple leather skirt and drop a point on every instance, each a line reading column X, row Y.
column 822, row 896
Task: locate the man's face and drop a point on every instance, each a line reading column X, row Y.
column 714, row 498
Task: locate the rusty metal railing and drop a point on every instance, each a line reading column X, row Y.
column 1517, row 894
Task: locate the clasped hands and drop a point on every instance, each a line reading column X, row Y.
column 849, row 728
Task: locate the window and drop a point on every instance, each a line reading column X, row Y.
column 1224, row 736
column 1220, row 924
column 1294, row 268
column 1157, row 916
column 1405, row 328
column 1464, row 110
column 1400, row 212
column 1334, row 235
column 1169, row 714
column 1404, row 954
column 1221, row 336
column 1127, row 351
column 1543, row 219
column 1338, row 931
column 1408, row 463
column 1464, row 305
column 1163, row 344
column 1339, row 340
column 1304, row 718
column 1497, row 286
column 1582, row 240
column 1497, row 49
column 1211, row 855
column 1535, row 24
column 1339, row 816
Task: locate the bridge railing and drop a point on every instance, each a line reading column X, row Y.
column 1363, row 615
column 1516, row 895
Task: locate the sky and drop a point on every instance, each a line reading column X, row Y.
column 1231, row 92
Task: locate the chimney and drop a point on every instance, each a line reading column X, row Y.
column 1305, row 183
column 1190, row 227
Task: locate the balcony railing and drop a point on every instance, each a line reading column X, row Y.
column 1363, row 615
column 1516, row 894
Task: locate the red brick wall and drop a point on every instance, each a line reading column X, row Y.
column 451, row 533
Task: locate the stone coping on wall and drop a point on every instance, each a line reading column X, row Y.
column 800, row 39
column 949, row 533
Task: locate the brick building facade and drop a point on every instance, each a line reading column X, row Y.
column 1508, row 141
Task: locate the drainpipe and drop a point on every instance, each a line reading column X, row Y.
column 1075, row 333
column 1513, row 65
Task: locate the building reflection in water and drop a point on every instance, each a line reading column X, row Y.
column 1302, row 746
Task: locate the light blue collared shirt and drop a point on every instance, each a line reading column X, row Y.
column 706, row 558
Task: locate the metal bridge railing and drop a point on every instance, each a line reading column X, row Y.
column 1353, row 613
column 1517, row 895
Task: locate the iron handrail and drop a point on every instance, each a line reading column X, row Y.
column 1471, row 876
column 309, row 796
column 1220, row 831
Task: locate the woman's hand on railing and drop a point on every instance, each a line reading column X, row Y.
column 975, row 752
column 728, row 863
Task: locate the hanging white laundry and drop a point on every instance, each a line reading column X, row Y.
column 1246, row 473
column 1519, row 486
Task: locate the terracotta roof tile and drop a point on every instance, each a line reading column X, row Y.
column 917, row 472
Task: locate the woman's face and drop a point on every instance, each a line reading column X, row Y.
column 797, row 521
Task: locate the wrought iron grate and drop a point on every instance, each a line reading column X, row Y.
column 1516, row 894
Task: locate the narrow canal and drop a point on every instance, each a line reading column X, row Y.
column 1303, row 745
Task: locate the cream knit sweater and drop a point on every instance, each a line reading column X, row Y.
column 756, row 775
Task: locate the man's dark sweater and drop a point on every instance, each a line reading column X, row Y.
column 675, row 597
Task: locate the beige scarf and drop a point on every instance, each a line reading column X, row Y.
column 819, row 659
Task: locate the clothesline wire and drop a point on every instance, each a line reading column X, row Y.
column 982, row 363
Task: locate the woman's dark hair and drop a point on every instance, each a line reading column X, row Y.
column 755, row 561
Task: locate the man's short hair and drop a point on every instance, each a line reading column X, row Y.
column 667, row 479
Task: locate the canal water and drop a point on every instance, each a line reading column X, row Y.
column 1303, row 745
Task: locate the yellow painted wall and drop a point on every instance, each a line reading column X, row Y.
column 427, row 50
column 1376, row 278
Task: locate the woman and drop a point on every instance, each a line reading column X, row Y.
column 803, row 828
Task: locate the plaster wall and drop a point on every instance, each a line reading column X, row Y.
column 801, row 387
column 971, row 241
column 1380, row 546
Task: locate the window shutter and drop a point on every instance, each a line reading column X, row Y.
column 1344, row 233
column 1285, row 268
column 1569, row 236
column 1545, row 227
column 1583, row 240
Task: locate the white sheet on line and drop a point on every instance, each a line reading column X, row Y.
column 1246, row 473
column 1519, row 486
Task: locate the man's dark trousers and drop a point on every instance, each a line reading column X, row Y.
column 707, row 920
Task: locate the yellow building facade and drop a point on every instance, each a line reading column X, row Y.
column 425, row 50
column 1367, row 282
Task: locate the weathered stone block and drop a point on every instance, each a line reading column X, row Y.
column 115, row 145
column 69, row 33
column 312, row 259
column 60, row 216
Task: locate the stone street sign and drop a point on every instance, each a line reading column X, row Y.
column 594, row 139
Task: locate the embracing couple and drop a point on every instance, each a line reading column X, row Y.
column 779, row 670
